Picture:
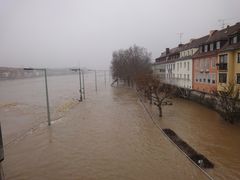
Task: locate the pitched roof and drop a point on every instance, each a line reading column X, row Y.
column 224, row 33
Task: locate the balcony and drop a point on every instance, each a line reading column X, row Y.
column 222, row 66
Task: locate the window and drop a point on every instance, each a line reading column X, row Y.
column 213, row 78
column 213, row 63
column 201, row 64
column 209, row 78
column 184, row 64
column 206, row 48
column 188, row 66
column 188, row 77
column 223, row 59
column 184, row 76
column 238, row 78
column 211, row 46
column 223, row 77
column 218, row 45
column 177, row 66
column 235, row 40
column 180, row 65
column 201, row 49
column 196, row 77
column 206, row 63
column 238, row 58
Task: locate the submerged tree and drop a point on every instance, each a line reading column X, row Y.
column 158, row 93
column 228, row 100
column 129, row 63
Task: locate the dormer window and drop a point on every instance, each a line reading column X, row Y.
column 201, row 49
column 206, row 48
column 235, row 40
column 218, row 45
column 211, row 47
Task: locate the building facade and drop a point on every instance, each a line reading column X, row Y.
column 206, row 64
column 229, row 62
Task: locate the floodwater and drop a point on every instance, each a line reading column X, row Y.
column 107, row 136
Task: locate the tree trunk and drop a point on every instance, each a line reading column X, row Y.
column 160, row 110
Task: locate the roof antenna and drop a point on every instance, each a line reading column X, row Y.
column 180, row 37
column 222, row 22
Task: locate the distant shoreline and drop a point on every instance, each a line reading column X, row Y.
column 8, row 73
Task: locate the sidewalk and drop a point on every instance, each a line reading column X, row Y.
column 108, row 136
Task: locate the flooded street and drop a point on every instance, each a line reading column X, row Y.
column 107, row 136
column 207, row 133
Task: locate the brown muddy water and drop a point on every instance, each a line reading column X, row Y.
column 108, row 136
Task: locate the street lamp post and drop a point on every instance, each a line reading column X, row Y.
column 105, row 80
column 96, row 80
column 46, row 88
column 83, row 85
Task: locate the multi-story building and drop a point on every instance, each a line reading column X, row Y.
column 206, row 64
column 159, row 66
column 170, row 65
column 229, row 61
column 174, row 66
column 205, row 71
column 184, row 63
column 164, row 66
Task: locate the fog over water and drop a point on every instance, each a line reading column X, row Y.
column 59, row 33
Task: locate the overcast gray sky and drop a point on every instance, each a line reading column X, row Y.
column 67, row 33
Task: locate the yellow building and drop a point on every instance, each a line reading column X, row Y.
column 229, row 63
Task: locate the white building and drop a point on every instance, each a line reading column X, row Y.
column 178, row 64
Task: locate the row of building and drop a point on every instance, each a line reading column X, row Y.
column 205, row 64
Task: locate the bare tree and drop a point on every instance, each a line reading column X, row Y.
column 229, row 102
column 158, row 93
column 129, row 63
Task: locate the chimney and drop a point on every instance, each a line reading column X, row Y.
column 191, row 40
column 212, row 32
column 167, row 51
